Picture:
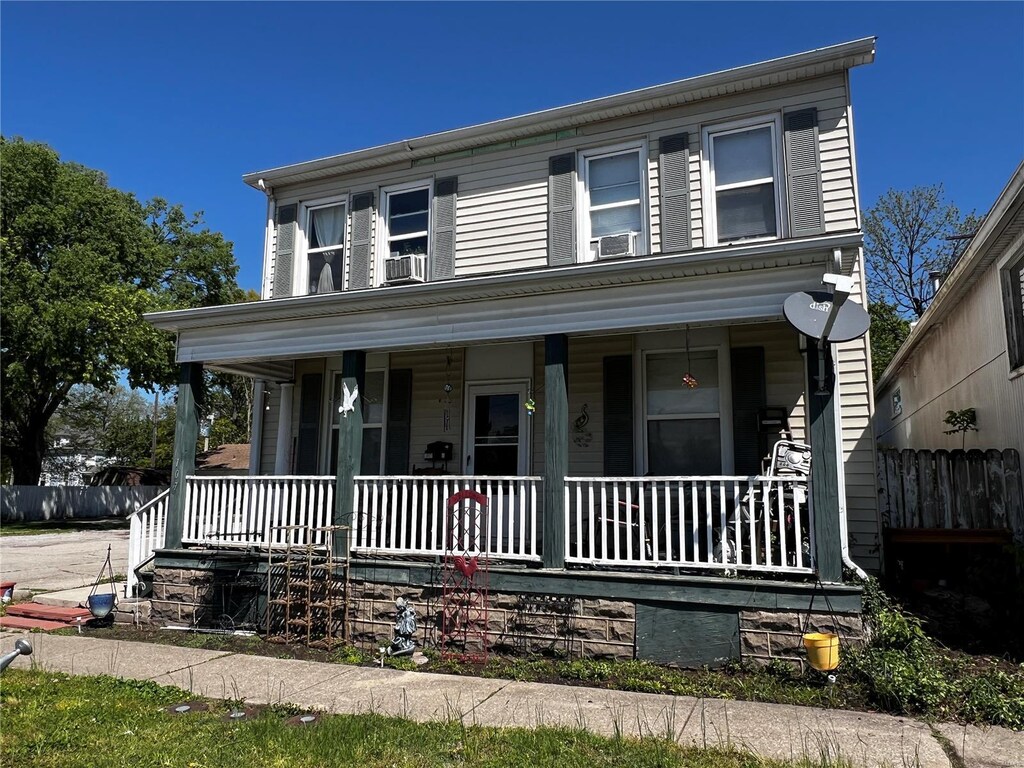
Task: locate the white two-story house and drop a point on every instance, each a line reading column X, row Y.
column 578, row 313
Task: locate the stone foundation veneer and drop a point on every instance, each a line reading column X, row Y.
column 769, row 635
column 523, row 624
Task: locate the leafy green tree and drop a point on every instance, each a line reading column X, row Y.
column 909, row 235
column 81, row 263
column 888, row 331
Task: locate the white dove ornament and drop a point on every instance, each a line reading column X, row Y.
column 348, row 400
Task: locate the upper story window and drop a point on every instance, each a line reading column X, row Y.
column 406, row 233
column 614, row 203
column 408, row 222
column 325, row 248
column 743, row 196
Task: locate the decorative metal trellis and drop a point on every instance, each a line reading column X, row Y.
column 465, row 578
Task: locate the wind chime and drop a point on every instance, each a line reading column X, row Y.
column 446, row 398
column 688, row 378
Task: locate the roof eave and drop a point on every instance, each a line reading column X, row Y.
column 481, row 286
column 844, row 56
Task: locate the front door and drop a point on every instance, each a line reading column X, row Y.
column 496, row 436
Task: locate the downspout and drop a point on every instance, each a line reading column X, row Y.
column 267, row 238
column 844, row 527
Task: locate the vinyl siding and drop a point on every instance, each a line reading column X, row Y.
column 429, row 373
column 271, row 418
column 501, row 213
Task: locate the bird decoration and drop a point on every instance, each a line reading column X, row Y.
column 348, row 400
column 582, row 420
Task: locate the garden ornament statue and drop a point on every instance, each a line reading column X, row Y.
column 405, row 627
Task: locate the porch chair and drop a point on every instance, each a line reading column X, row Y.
column 788, row 459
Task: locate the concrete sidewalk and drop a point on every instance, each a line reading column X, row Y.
column 771, row 730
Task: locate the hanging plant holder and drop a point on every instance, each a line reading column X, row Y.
column 689, row 380
column 102, row 603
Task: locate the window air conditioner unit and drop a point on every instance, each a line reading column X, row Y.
column 405, row 269
column 616, row 246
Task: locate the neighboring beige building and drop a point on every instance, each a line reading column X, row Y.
column 967, row 351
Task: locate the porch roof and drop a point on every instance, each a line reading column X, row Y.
column 713, row 286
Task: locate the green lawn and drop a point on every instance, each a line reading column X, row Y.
column 62, row 526
column 52, row 719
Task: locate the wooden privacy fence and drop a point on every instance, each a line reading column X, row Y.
column 951, row 489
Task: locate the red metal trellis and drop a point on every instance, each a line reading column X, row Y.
column 465, row 579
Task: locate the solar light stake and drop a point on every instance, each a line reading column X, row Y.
column 22, row 647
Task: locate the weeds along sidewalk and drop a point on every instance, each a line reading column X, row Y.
column 771, row 730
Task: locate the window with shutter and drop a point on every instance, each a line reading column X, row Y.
column 613, row 214
column 323, row 270
column 405, row 214
column 743, row 199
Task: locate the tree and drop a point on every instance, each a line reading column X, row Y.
column 907, row 236
column 81, row 263
column 888, row 331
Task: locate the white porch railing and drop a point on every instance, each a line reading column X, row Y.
column 261, row 511
column 721, row 523
column 146, row 529
column 408, row 515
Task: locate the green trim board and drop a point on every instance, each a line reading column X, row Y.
column 700, row 592
column 690, row 637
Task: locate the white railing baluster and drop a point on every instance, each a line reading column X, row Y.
column 662, row 519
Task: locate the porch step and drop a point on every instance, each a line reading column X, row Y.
column 66, row 616
column 20, row 622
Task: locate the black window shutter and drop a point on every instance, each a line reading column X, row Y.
column 748, row 397
column 308, row 447
column 284, row 249
column 362, row 234
column 399, row 432
column 803, row 174
column 561, row 210
column 618, row 416
column 442, row 239
column 674, row 182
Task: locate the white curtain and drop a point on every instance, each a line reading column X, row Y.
column 329, row 225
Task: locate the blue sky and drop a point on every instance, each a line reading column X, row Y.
column 180, row 99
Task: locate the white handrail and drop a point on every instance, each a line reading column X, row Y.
column 721, row 522
column 146, row 532
column 270, row 511
column 408, row 515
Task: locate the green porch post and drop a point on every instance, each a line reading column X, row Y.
column 824, row 480
column 186, row 432
column 556, row 447
column 350, row 448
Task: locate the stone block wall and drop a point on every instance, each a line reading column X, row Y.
column 178, row 595
column 524, row 624
column 769, row 635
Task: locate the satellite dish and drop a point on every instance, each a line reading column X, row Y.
column 809, row 312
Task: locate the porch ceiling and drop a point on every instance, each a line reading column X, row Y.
column 713, row 287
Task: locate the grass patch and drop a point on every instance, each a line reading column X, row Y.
column 62, row 526
column 56, row 720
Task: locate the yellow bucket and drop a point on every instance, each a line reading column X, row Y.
column 822, row 650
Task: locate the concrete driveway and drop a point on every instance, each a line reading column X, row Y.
column 48, row 562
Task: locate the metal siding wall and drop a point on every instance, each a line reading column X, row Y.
column 427, row 423
column 961, row 364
